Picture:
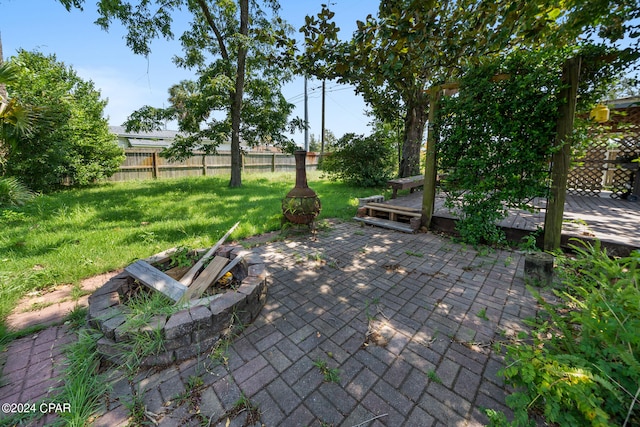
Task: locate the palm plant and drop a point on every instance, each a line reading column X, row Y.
column 16, row 119
column 13, row 192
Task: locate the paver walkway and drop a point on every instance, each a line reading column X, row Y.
column 407, row 322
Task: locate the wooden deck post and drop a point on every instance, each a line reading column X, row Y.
column 429, row 197
column 561, row 159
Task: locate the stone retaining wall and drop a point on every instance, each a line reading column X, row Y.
column 194, row 329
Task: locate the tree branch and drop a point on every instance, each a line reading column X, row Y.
column 212, row 24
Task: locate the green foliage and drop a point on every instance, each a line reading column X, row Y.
column 70, row 140
column 582, row 362
column 359, row 160
column 77, row 317
column 13, row 192
column 393, row 58
column 16, row 118
column 182, row 257
column 411, row 45
column 415, row 254
column 315, row 143
column 433, row 376
column 495, row 140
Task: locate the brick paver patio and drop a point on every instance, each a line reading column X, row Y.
column 407, row 322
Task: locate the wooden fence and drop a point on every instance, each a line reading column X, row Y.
column 146, row 163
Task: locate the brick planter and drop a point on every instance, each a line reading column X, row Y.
column 191, row 331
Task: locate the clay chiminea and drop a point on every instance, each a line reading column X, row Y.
column 301, row 205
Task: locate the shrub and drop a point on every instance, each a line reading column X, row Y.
column 359, row 160
column 69, row 140
column 581, row 365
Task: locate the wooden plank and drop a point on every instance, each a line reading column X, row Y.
column 161, row 257
column 392, row 206
column 394, row 211
column 205, row 279
column 384, row 223
column 177, row 272
column 408, row 182
column 229, row 266
column 156, row 279
column 188, row 278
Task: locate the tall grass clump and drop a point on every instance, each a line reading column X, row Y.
column 83, row 385
column 581, row 364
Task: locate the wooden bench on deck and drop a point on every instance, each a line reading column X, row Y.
column 410, row 182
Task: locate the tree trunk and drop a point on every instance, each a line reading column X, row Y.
column 236, row 101
column 413, row 131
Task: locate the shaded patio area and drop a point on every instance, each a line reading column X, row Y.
column 436, row 309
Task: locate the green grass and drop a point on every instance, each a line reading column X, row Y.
column 67, row 236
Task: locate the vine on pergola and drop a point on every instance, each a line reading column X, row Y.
column 496, row 137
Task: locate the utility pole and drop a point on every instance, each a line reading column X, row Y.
column 322, row 135
column 306, row 116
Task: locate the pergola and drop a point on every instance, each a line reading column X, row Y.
column 560, row 161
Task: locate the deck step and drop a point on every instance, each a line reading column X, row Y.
column 393, row 207
column 385, row 223
column 389, row 212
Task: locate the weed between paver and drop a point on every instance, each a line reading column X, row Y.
column 482, row 314
column 331, row 375
column 433, row 376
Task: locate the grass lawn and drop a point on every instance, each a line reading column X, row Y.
column 67, row 236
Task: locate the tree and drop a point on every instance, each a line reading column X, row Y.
column 329, row 141
column 393, row 59
column 626, row 86
column 231, row 46
column 413, row 45
column 70, row 141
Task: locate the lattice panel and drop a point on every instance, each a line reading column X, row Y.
column 627, row 142
column 608, row 163
column 585, row 178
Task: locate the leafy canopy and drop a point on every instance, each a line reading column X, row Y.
column 415, row 44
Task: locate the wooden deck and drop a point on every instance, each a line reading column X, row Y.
column 615, row 222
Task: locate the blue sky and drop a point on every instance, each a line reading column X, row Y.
column 130, row 81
